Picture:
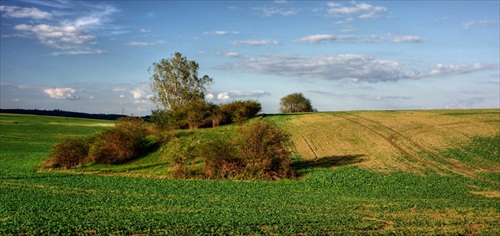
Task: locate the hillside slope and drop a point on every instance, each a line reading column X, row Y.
column 387, row 141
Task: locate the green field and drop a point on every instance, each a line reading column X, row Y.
column 377, row 172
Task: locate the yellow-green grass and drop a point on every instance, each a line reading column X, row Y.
column 395, row 140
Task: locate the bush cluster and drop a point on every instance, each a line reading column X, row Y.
column 202, row 114
column 259, row 152
column 69, row 152
column 263, row 149
column 119, row 144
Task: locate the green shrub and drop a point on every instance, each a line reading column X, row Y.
column 240, row 111
column 183, row 154
column 193, row 115
column 120, row 144
column 218, row 116
column 169, row 120
column 68, row 152
column 258, row 152
column 197, row 114
column 263, row 150
column 220, row 159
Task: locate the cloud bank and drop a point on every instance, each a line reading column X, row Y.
column 321, row 38
column 360, row 10
column 350, row 67
column 22, row 12
column 235, row 94
column 256, row 42
column 68, row 32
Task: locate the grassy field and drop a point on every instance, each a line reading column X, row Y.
column 403, row 172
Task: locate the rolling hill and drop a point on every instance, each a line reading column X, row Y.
column 363, row 172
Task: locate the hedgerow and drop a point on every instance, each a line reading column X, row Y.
column 116, row 145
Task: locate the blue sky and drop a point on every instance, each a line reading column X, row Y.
column 343, row 55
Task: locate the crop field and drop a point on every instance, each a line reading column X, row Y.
column 361, row 173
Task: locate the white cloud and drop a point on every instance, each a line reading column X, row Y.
column 231, row 54
column 82, row 51
column 97, row 16
column 360, row 10
column 336, row 67
column 246, row 94
column 146, row 44
column 405, row 38
column 138, row 93
column 221, row 32
column 61, row 93
column 256, row 42
column 141, row 101
column 209, row 96
column 223, row 96
column 61, row 37
column 347, row 67
column 481, row 23
column 271, row 11
column 22, row 12
column 144, row 30
column 69, row 33
column 319, row 38
column 236, row 94
column 444, row 70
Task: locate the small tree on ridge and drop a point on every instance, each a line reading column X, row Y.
column 295, row 102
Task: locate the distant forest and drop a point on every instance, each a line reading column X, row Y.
column 65, row 114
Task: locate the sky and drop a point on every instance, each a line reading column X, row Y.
column 94, row 56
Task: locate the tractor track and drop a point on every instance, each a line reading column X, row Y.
column 455, row 164
column 310, row 146
column 391, row 140
column 433, row 161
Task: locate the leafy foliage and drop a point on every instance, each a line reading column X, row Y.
column 220, row 159
column 115, row 145
column 175, row 83
column 263, row 150
column 295, row 102
column 240, row 111
column 199, row 113
column 69, row 152
column 259, row 151
column 169, row 120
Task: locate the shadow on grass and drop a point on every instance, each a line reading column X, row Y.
column 330, row 161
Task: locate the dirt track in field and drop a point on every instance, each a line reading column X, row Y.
column 394, row 141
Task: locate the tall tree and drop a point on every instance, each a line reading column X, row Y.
column 295, row 102
column 175, row 83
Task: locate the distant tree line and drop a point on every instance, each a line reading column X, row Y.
column 65, row 114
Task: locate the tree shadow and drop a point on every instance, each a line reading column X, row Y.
column 329, row 161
